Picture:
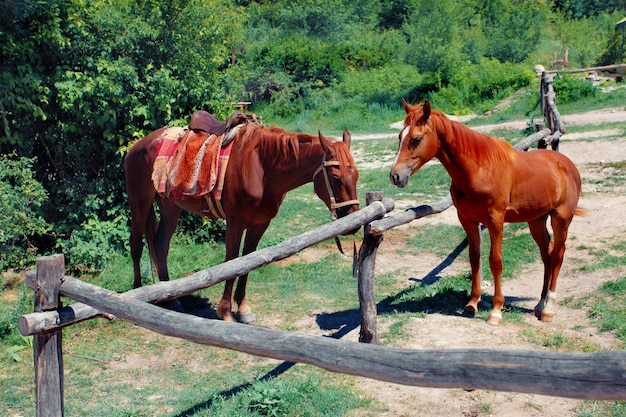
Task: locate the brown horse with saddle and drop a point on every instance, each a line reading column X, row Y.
column 239, row 171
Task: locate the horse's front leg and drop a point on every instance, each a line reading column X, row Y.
column 473, row 238
column 253, row 236
column 495, row 264
column 234, row 233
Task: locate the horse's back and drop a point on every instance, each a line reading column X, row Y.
column 544, row 181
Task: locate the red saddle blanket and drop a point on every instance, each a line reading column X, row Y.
column 190, row 164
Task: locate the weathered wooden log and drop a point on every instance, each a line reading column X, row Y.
column 591, row 376
column 548, row 106
column 605, row 68
column 529, row 141
column 380, row 226
column 47, row 347
column 34, row 323
column 367, row 263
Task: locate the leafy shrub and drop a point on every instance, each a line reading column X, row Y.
column 383, row 85
column 201, row 229
column 476, row 87
column 21, row 197
column 96, row 243
column 569, row 88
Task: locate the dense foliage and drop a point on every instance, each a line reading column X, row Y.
column 21, row 197
column 80, row 80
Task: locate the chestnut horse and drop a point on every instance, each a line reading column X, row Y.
column 265, row 163
column 493, row 183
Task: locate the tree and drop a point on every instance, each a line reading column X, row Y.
column 90, row 76
column 513, row 28
column 21, row 197
column 433, row 33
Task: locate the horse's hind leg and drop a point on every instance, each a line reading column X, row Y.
column 169, row 213
column 540, row 234
column 141, row 211
column 559, row 227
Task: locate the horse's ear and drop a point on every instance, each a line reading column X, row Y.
column 407, row 107
column 347, row 138
column 426, row 110
column 325, row 143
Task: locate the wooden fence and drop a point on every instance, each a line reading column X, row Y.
column 597, row 376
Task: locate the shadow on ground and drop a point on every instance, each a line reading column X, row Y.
column 340, row 323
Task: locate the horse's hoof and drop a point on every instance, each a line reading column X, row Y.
column 546, row 317
column 494, row 319
column 469, row 311
column 227, row 318
column 245, row 318
column 224, row 316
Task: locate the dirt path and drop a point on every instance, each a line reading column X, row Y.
column 605, row 221
column 595, row 117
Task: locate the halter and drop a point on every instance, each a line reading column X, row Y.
column 333, row 204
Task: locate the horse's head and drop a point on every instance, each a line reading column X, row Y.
column 335, row 180
column 418, row 143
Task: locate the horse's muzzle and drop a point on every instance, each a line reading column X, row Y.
column 399, row 180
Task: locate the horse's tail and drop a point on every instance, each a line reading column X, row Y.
column 150, row 231
column 579, row 211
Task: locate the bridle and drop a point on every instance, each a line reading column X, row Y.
column 333, row 202
column 334, row 206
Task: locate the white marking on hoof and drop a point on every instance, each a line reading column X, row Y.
column 495, row 319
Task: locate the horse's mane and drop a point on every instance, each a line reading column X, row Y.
column 275, row 145
column 478, row 146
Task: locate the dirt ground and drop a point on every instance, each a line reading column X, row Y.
column 605, row 220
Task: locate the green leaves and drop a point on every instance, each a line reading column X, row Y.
column 21, row 197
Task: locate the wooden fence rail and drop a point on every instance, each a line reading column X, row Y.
column 33, row 323
column 600, row 376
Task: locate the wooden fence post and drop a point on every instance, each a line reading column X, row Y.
column 549, row 110
column 48, row 354
column 367, row 262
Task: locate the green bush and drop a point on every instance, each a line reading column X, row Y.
column 96, row 243
column 21, row 197
column 569, row 88
column 476, row 87
column 383, row 85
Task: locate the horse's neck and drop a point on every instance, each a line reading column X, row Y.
column 452, row 136
column 300, row 170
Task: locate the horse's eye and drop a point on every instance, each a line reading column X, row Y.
column 415, row 141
